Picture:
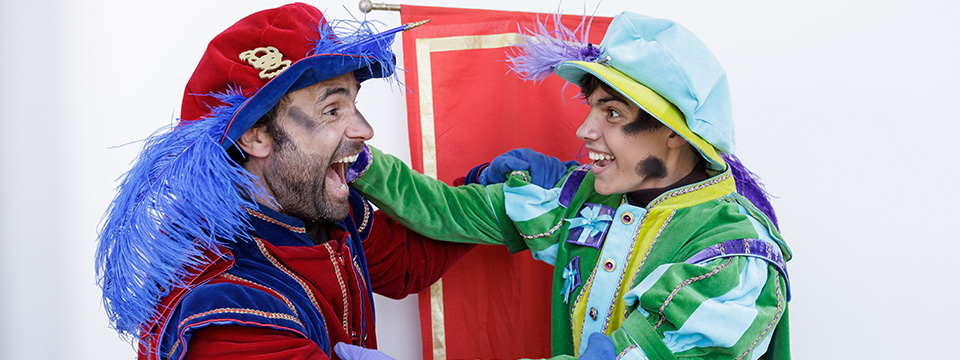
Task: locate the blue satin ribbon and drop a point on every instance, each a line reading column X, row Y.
column 591, row 221
column 571, row 278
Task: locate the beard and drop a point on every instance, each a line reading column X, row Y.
column 299, row 184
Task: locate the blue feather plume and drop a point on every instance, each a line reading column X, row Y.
column 543, row 49
column 181, row 198
column 360, row 38
column 184, row 196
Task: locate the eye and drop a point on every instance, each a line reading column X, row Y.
column 332, row 111
column 613, row 113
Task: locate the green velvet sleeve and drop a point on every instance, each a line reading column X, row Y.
column 469, row 214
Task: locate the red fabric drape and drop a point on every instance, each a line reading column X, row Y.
column 464, row 109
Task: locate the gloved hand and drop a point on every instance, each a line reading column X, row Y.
column 352, row 352
column 599, row 347
column 544, row 170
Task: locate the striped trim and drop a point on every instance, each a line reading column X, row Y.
column 776, row 319
column 643, row 260
column 543, row 234
column 343, row 286
column 303, row 284
column 262, row 216
column 688, row 190
column 243, row 311
column 366, row 217
column 362, row 286
column 683, row 284
column 276, row 293
column 356, row 267
column 660, row 231
column 240, row 311
column 518, row 172
column 627, row 351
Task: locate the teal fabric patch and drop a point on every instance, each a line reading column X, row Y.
column 528, row 202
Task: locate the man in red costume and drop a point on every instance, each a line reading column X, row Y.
column 236, row 233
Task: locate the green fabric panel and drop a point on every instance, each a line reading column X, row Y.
column 561, row 325
column 469, row 214
column 684, row 302
column 637, row 330
column 542, row 231
column 757, row 214
column 695, row 228
column 476, row 214
column 716, row 279
column 768, row 319
column 780, row 345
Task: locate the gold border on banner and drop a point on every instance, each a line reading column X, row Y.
column 424, row 48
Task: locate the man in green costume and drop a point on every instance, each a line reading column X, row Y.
column 656, row 255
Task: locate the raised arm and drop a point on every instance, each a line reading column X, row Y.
column 470, row 213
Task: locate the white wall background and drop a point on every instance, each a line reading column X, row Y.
column 844, row 107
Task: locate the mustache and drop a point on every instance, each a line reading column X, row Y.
column 347, row 149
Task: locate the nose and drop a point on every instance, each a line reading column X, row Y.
column 359, row 128
column 588, row 130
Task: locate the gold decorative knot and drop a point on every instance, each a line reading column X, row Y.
column 267, row 59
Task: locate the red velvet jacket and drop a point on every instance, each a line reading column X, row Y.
column 282, row 296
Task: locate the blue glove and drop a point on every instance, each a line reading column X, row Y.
column 545, row 170
column 352, row 352
column 599, row 347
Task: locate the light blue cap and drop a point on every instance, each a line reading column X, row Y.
column 673, row 62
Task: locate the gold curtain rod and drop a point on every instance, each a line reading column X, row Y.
column 367, row 6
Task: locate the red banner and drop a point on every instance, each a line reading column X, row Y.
column 464, row 110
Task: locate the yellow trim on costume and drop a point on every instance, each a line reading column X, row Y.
column 654, row 104
column 641, row 248
column 660, row 211
column 424, row 49
column 580, row 310
column 707, row 190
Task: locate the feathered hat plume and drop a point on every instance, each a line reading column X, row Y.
column 184, row 197
column 544, row 49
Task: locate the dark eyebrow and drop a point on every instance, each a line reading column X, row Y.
column 606, row 99
column 333, row 91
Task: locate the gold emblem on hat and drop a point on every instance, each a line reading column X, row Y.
column 267, row 59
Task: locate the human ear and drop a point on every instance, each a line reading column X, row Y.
column 674, row 140
column 256, row 142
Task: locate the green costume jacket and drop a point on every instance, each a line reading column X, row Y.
column 699, row 272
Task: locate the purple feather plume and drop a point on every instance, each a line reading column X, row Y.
column 543, row 49
column 749, row 185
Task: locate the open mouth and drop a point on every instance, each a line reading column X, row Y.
column 601, row 160
column 336, row 177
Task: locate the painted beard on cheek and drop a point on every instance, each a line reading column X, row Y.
column 651, row 168
column 299, row 184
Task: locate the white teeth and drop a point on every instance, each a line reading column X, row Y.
column 599, row 156
column 347, row 159
column 342, row 187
